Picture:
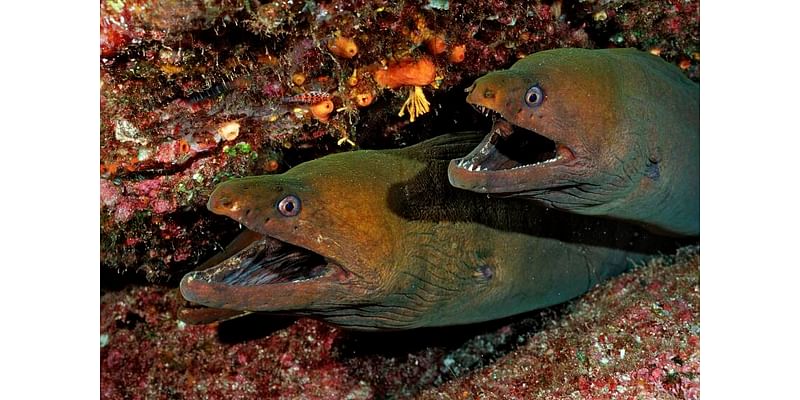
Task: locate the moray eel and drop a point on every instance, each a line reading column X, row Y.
column 612, row 132
column 372, row 240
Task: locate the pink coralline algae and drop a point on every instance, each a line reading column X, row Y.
column 636, row 336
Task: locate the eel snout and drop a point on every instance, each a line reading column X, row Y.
column 242, row 200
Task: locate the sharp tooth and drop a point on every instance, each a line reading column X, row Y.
column 471, row 167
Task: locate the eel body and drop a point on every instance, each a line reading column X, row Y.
column 612, row 132
column 379, row 240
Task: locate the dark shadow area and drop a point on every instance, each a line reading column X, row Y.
column 449, row 113
column 304, row 152
column 112, row 280
column 430, row 197
column 444, row 353
column 398, row 343
column 251, row 327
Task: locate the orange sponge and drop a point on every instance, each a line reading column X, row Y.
column 410, row 72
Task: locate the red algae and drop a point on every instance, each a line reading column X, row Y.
column 636, row 336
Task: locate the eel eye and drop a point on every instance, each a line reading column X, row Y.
column 289, row 206
column 534, row 96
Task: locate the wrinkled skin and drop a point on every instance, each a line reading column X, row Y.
column 380, row 240
column 612, row 133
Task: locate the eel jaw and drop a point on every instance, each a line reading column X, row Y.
column 267, row 275
column 509, row 159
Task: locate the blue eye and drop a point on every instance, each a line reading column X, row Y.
column 534, row 96
column 289, row 206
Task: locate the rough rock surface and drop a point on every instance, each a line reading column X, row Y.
column 636, row 336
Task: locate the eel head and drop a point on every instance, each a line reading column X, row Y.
column 327, row 247
column 554, row 125
column 304, row 262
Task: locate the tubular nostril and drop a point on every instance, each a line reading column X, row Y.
column 224, row 203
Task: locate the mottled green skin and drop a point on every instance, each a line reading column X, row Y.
column 631, row 121
column 413, row 250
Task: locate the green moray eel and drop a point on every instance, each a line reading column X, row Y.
column 612, row 132
column 374, row 240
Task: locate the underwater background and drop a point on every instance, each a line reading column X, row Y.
column 193, row 93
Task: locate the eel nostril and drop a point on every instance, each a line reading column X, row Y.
column 225, row 201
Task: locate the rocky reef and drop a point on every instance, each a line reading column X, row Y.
column 636, row 336
column 193, row 93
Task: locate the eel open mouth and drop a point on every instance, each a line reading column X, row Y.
column 264, row 262
column 510, row 147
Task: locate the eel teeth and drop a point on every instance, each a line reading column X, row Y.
column 539, row 163
column 470, row 165
column 484, row 110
